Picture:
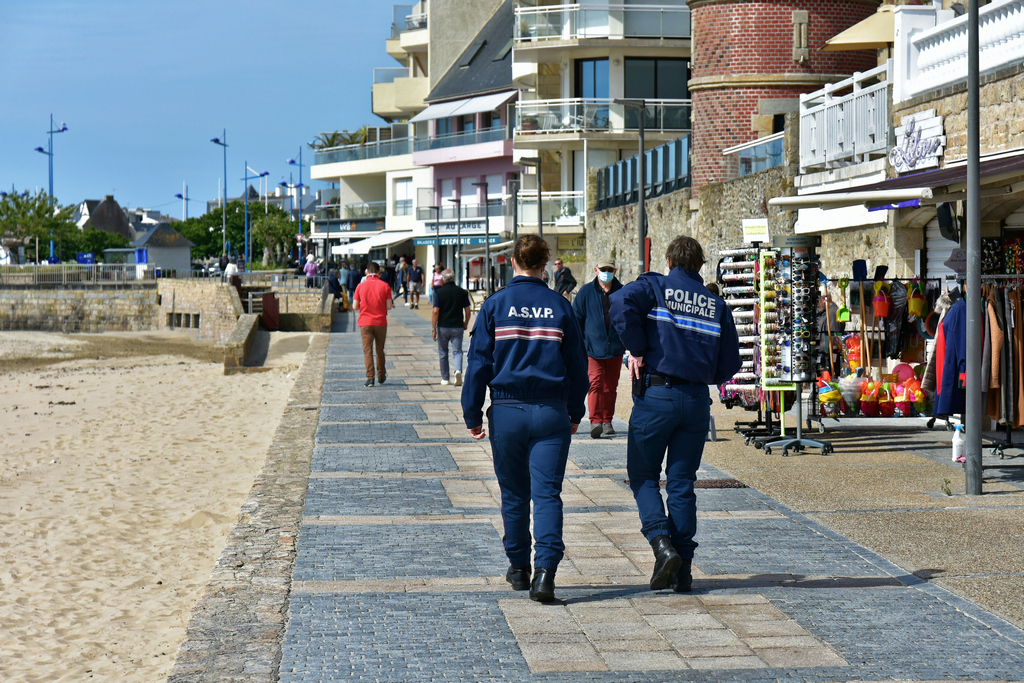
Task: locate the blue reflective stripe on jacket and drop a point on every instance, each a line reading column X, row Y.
column 601, row 342
column 526, row 346
column 678, row 326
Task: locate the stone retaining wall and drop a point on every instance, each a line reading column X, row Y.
column 207, row 311
column 79, row 310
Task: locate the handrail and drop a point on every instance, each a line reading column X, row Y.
column 586, row 114
column 459, row 139
column 371, row 150
column 573, row 22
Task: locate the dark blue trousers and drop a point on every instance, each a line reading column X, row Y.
column 677, row 419
column 530, row 444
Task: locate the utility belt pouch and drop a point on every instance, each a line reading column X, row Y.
column 640, row 383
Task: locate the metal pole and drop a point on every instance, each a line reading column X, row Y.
column 458, row 240
column 515, row 210
column 245, row 191
column 224, row 198
column 437, row 237
column 973, row 413
column 300, row 204
column 487, row 236
column 642, row 182
column 540, row 202
column 50, row 155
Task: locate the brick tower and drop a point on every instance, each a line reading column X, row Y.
column 752, row 59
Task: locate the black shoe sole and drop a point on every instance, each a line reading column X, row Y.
column 542, row 597
column 595, row 432
column 519, row 585
column 661, row 579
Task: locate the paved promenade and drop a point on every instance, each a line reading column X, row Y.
column 397, row 571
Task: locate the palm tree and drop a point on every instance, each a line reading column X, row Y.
column 339, row 139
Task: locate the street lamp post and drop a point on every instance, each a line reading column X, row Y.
column 297, row 187
column 437, row 233
column 292, row 162
column 458, row 238
column 184, row 201
column 245, row 190
column 534, row 162
column 223, row 142
column 487, row 236
column 49, row 153
column 641, row 175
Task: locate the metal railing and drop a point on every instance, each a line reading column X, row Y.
column 589, row 115
column 557, row 208
column 759, row 155
column 89, row 275
column 573, row 22
column 473, row 137
column 373, row 150
column 938, row 57
column 843, row 128
column 334, row 212
column 495, row 207
column 389, row 74
column 414, row 22
column 668, row 170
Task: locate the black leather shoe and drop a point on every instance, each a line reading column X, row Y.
column 667, row 562
column 381, row 380
column 519, row 577
column 368, row 383
column 543, row 588
column 682, row 582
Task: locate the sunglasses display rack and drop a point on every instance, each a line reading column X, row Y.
column 789, row 338
column 740, row 294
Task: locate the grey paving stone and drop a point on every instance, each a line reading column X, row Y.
column 598, row 454
column 356, row 384
column 358, row 397
column 383, row 459
column 733, row 500
column 378, row 497
column 381, row 432
column 363, row 552
column 386, row 412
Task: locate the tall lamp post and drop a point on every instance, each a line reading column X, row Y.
column 487, row 236
column 245, row 190
column 458, row 237
column 184, row 201
column 49, row 153
column 534, row 162
column 223, row 142
column 292, row 162
column 641, row 106
column 437, row 233
column 297, row 187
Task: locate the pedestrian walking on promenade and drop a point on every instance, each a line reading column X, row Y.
column 450, row 320
column 416, row 279
column 373, row 301
column 353, row 279
column 680, row 338
column 334, row 287
column 604, row 349
column 402, row 277
column 311, row 270
column 564, row 280
column 527, row 347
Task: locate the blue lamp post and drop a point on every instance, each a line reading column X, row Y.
column 223, row 142
column 245, row 190
column 292, row 162
column 49, row 153
column 297, row 187
column 184, row 202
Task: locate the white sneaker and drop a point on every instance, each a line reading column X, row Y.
column 407, row 304
column 458, row 378
column 445, row 382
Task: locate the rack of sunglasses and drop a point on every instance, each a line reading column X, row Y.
column 740, row 294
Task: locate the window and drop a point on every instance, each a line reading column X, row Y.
column 403, row 197
column 592, row 79
column 444, row 127
column 657, row 79
column 468, row 123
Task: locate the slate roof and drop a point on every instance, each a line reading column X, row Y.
column 108, row 216
column 162, row 235
column 486, row 73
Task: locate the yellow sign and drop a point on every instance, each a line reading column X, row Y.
column 755, row 230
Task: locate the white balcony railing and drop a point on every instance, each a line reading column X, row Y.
column 580, row 115
column 574, row 22
column 559, row 208
column 846, row 122
column 414, row 22
column 937, row 57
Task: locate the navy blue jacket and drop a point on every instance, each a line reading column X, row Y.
column 602, row 342
column 526, row 346
column 355, row 276
column 678, row 326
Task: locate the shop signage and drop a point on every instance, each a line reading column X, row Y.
column 449, row 241
column 957, row 261
column 571, row 242
column 755, row 230
column 454, row 227
column 919, row 142
column 796, row 241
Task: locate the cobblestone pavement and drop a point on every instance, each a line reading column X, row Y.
column 397, row 573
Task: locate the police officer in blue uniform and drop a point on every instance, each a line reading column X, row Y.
column 681, row 338
column 527, row 347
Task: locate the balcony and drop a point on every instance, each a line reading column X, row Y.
column 937, row 57
column 759, row 155
column 474, row 137
column 415, row 22
column 373, row 150
column 389, row 75
column 846, row 122
column 558, row 208
column 396, row 94
column 400, row 19
column 494, row 208
column 588, row 116
column 667, row 170
column 537, row 25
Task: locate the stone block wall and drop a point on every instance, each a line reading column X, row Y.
column 207, row 311
column 79, row 310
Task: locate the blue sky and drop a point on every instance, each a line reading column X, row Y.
column 143, row 85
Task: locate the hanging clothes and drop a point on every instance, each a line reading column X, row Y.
column 951, row 397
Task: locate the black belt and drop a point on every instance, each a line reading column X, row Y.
column 655, row 380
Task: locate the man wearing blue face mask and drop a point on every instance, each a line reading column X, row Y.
column 604, row 350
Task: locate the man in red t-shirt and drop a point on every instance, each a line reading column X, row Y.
column 372, row 299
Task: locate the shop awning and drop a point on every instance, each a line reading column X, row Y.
column 875, row 32
column 499, row 248
column 378, row 241
column 470, row 105
column 930, row 187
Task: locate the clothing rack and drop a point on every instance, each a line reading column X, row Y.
column 999, row 446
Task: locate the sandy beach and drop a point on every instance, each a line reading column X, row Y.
column 124, row 460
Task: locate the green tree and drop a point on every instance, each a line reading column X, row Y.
column 93, row 241
column 276, row 234
column 205, row 232
column 25, row 217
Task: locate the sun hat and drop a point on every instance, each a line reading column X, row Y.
column 606, row 262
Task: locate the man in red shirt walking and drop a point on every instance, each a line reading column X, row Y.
column 372, row 299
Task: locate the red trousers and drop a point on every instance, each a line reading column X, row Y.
column 604, row 383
